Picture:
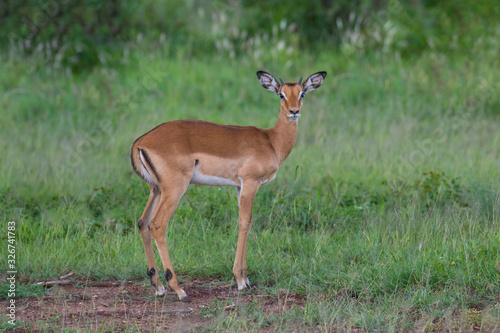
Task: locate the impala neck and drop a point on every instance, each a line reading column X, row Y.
column 283, row 136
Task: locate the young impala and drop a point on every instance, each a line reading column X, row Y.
column 178, row 153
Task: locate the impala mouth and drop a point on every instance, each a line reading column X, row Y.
column 293, row 116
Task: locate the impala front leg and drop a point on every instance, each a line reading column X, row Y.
column 246, row 195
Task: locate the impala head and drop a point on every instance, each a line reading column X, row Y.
column 291, row 93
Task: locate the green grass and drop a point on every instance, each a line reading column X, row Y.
column 330, row 227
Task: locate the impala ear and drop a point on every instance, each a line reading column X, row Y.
column 268, row 81
column 313, row 81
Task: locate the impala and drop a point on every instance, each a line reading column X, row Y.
column 178, row 153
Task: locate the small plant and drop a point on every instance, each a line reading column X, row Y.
column 473, row 317
column 22, row 290
column 213, row 309
column 438, row 189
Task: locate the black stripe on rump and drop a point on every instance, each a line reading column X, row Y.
column 149, row 163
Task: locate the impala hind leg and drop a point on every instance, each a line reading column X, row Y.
column 169, row 199
column 246, row 195
column 143, row 225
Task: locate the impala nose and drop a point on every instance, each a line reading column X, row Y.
column 294, row 113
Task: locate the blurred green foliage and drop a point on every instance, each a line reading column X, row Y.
column 315, row 20
column 83, row 33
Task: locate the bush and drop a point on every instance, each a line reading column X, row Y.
column 81, row 34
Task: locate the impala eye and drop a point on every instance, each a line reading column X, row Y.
column 302, row 95
column 282, row 96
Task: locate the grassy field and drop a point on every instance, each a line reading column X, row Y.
column 384, row 218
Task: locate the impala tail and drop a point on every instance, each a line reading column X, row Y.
column 143, row 166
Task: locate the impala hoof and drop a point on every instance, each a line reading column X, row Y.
column 160, row 291
column 185, row 299
column 245, row 284
column 182, row 296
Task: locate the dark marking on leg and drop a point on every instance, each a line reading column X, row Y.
column 241, row 273
column 168, row 275
column 140, row 223
column 152, row 273
column 151, row 225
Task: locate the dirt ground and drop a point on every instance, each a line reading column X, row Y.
column 133, row 305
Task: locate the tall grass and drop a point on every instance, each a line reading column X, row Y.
column 385, row 215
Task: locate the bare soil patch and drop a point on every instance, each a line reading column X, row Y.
column 133, row 305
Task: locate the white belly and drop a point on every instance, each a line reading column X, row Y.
column 201, row 179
